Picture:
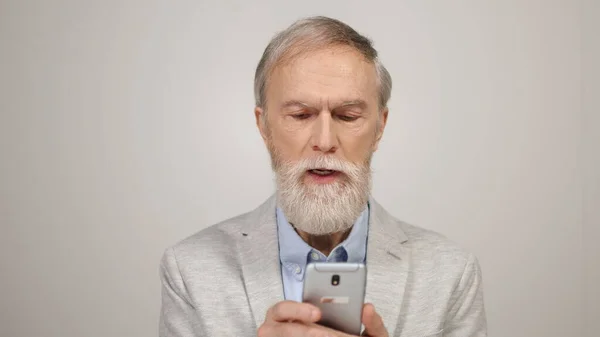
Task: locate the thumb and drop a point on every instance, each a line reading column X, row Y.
column 373, row 323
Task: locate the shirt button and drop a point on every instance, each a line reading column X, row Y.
column 298, row 270
column 314, row 256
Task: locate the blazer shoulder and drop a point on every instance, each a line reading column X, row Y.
column 423, row 243
column 213, row 241
column 436, row 246
column 218, row 242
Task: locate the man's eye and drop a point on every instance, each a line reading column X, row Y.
column 347, row 118
column 301, row 116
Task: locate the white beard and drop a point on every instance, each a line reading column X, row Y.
column 321, row 209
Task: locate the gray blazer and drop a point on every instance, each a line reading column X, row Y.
column 222, row 280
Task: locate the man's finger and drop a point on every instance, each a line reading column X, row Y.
column 329, row 332
column 287, row 311
column 302, row 330
column 373, row 323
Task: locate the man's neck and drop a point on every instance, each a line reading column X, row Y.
column 324, row 243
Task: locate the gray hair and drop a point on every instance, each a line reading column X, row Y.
column 310, row 34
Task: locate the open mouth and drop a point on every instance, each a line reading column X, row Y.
column 323, row 172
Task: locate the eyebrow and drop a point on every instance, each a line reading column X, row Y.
column 295, row 103
column 357, row 102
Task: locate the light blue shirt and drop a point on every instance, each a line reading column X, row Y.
column 295, row 253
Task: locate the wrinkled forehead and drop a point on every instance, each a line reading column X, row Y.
column 331, row 74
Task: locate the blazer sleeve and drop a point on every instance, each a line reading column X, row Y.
column 466, row 315
column 178, row 317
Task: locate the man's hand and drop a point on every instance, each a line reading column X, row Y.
column 295, row 319
column 292, row 319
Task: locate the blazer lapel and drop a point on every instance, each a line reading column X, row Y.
column 259, row 255
column 387, row 266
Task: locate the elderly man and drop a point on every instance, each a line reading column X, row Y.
column 321, row 109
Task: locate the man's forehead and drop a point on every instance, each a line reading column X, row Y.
column 333, row 61
column 338, row 80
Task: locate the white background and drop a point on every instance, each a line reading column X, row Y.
column 126, row 126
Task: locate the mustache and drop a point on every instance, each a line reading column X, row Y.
column 352, row 171
column 326, row 163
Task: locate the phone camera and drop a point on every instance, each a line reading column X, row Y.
column 335, row 280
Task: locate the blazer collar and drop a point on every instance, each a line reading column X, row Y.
column 387, row 265
column 259, row 256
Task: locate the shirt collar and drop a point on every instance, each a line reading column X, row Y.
column 293, row 250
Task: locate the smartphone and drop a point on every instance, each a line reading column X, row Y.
column 338, row 290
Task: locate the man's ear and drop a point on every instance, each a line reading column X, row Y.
column 261, row 122
column 380, row 127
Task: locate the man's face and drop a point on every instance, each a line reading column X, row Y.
column 322, row 125
column 324, row 103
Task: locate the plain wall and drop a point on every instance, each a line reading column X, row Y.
column 127, row 125
column 591, row 145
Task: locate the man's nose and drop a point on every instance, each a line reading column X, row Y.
column 324, row 137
